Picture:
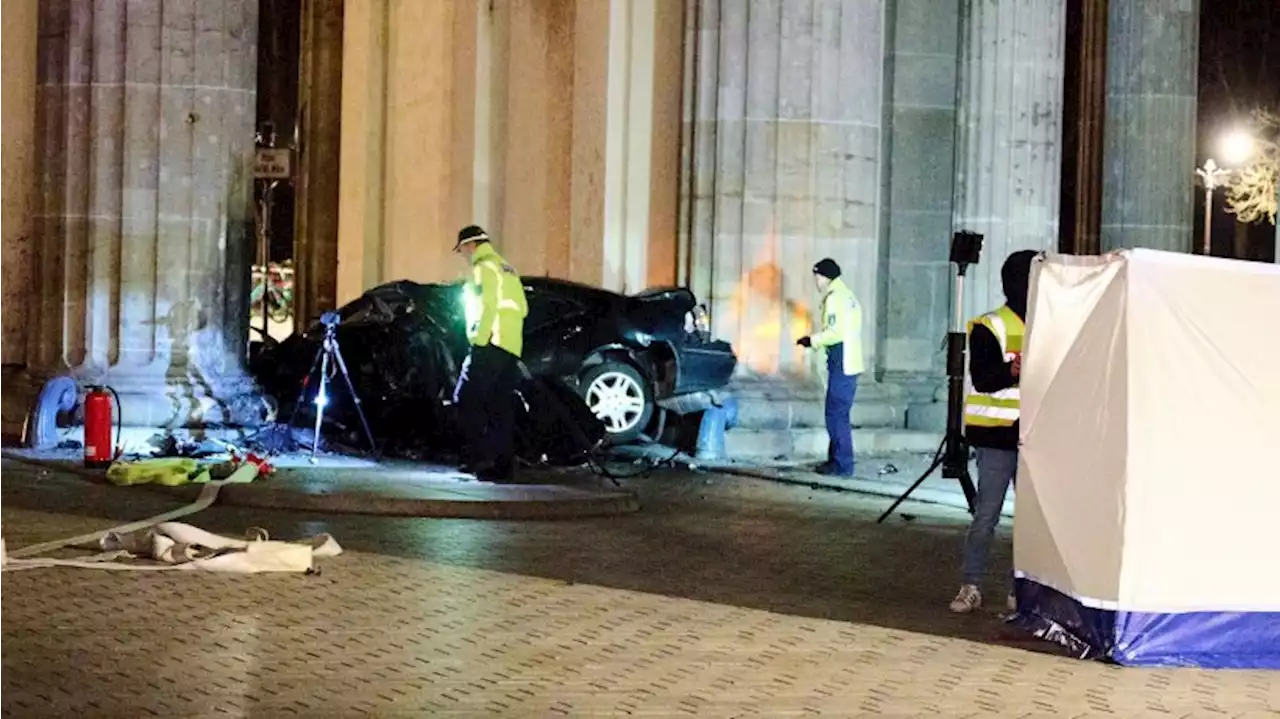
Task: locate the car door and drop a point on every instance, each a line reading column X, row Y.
column 554, row 337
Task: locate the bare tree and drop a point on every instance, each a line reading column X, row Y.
column 1251, row 196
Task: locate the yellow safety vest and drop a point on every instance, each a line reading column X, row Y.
column 842, row 324
column 495, row 302
column 998, row 409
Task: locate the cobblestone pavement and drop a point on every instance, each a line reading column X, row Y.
column 723, row 597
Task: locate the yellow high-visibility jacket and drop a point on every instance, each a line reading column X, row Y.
column 842, row 324
column 496, row 305
column 998, row 409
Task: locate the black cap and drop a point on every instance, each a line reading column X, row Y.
column 827, row 267
column 471, row 233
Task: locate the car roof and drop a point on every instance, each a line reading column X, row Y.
column 570, row 289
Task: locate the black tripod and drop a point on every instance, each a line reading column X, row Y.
column 329, row 352
column 953, row 455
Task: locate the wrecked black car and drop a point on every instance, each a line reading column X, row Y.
column 602, row 366
column 626, row 356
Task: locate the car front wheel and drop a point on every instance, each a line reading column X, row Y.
column 620, row 397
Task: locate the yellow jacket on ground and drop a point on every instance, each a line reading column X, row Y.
column 842, row 324
column 496, row 305
column 1002, row 408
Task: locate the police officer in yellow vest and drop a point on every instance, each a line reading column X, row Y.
column 841, row 337
column 991, row 418
column 495, row 312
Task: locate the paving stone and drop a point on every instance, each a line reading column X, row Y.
column 723, row 598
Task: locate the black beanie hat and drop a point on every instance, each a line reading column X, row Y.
column 827, row 267
column 471, row 233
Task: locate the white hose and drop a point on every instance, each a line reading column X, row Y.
column 18, row 559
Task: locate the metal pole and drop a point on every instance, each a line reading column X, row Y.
column 264, row 255
column 1276, row 256
column 1208, row 216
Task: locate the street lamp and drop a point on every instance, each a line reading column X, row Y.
column 1236, row 149
column 1214, row 177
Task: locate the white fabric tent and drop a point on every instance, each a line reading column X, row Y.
column 1146, row 525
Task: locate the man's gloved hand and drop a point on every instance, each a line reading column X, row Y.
column 805, row 342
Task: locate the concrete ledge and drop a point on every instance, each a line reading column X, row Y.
column 397, row 491
column 935, row 490
column 425, row 498
column 946, row 497
column 747, row 443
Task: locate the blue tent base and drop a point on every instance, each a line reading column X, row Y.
column 1210, row 640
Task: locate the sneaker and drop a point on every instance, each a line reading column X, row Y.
column 967, row 600
column 1012, row 602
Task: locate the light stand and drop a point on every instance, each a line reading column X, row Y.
column 330, row 352
column 953, row 455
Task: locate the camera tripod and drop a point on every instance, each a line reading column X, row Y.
column 953, row 454
column 328, row 353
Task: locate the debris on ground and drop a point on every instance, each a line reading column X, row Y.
column 178, row 471
column 165, row 471
column 170, row 445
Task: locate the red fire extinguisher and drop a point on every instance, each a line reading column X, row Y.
column 99, row 450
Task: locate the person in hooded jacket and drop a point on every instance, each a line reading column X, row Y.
column 991, row 415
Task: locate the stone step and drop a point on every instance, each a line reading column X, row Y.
column 779, row 404
column 755, row 413
column 928, row 417
column 811, row 442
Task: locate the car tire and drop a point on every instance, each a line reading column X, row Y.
column 620, row 397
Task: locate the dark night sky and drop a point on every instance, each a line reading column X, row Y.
column 1239, row 71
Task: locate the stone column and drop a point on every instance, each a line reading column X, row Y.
column 408, row 98
column 1008, row 130
column 1084, row 112
column 578, row 103
column 919, row 184
column 318, row 169
column 19, row 163
column 784, row 165
column 145, row 136
column 539, row 125
column 1150, row 134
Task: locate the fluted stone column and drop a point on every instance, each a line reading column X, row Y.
column 1009, row 130
column 20, row 23
column 783, row 108
column 1084, row 100
column 318, row 160
column 919, row 192
column 145, row 136
column 1150, row 133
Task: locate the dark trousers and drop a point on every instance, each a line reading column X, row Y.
column 486, row 408
column 841, row 389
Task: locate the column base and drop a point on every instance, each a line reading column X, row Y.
column 152, row 399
